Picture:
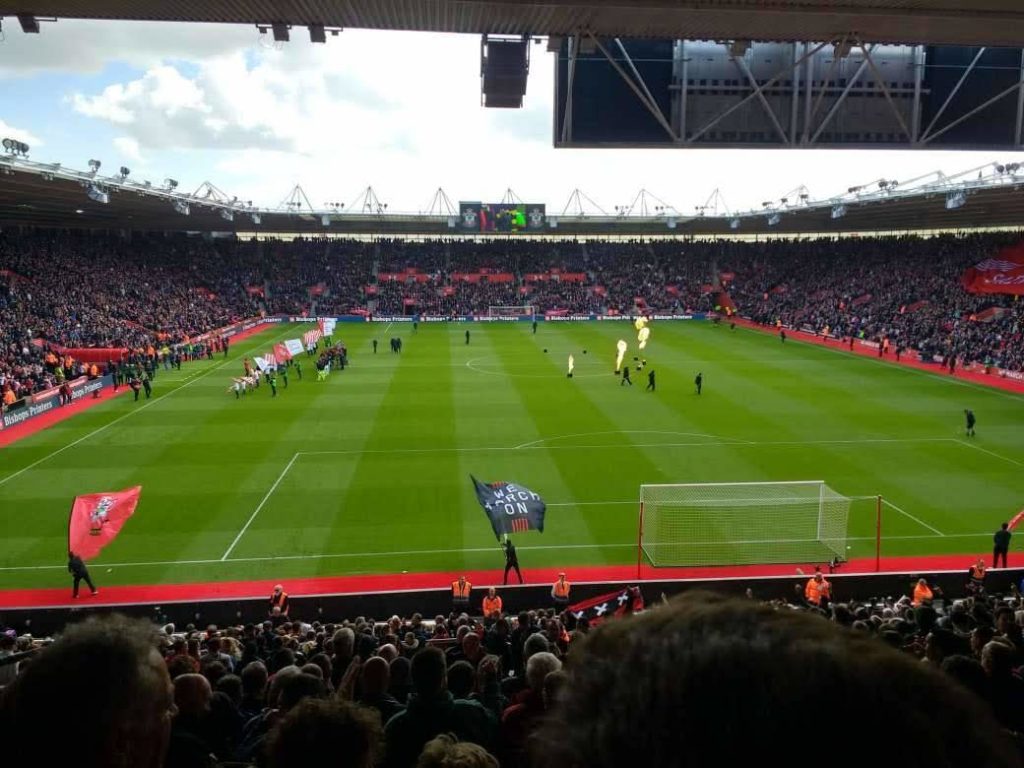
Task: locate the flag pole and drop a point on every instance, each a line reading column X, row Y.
column 71, row 514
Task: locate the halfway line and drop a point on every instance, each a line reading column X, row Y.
column 260, row 506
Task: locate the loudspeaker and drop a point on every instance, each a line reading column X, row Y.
column 504, row 66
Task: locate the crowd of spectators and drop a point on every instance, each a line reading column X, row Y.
column 904, row 289
column 696, row 680
column 82, row 290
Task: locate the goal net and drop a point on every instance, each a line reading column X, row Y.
column 742, row 523
column 525, row 310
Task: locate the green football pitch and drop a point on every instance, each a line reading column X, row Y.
column 368, row 472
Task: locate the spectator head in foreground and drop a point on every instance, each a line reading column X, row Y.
column 707, row 680
column 99, row 696
column 446, row 751
column 326, row 732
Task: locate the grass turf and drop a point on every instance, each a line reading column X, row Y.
column 368, row 472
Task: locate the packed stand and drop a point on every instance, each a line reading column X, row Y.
column 697, row 680
column 903, row 289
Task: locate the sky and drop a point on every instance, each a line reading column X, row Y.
column 396, row 111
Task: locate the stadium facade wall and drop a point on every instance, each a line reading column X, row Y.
column 46, row 621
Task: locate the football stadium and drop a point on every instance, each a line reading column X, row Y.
column 504, row 480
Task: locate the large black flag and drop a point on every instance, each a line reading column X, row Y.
column 511, row 508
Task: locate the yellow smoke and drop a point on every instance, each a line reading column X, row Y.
column 643, row 336
column 622, row 346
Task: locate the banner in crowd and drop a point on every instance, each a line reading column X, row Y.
column 510, row 508
column 294, row 347
column 1002, row 274
column 612, row 605
column 97, row 518
column 46, row 401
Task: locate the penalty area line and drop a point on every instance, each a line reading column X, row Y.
column 917, row 520
column 990, row 453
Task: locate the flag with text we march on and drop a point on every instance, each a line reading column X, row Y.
column 511, row 508
column 612, row 605
column 97, row 518
column 294, row 347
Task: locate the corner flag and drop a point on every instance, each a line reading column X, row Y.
column 511, row 508
column 96, row 519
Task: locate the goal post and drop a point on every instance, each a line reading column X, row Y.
column 522, row 310
column 695, row 524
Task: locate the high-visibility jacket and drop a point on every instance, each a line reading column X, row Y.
column 977, row 573
column 922, row 594
column 461, row 591
column 816, row 590
column 560, row 590
column 279, row 601
column 492, row 605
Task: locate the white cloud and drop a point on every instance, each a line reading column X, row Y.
column 86, row 47
column 401, row 111
column 19, row 134
column 129, row 148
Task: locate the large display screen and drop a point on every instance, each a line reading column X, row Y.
column 502, row 217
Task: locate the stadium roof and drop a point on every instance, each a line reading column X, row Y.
column 49, row 195
column 956, row 22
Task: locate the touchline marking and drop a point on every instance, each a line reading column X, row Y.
column 915, row 519
column 627, row 432
column 260, row 506
column 186, row 383
column 990, row 453
column 865, row 441
column 342, row 555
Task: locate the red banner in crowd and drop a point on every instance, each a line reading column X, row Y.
column 609, row 606
column 96, row 519
column 1002, row 274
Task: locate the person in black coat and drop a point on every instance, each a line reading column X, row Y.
column 78, row 571
column 511, row 561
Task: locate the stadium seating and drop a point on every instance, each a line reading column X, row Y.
column 239, row 689
column 80, row 290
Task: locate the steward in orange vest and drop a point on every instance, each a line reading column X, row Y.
column 923, row 594
column 976, row 576
column 560, row 590
column 279, row 599
column 492, row 604
column 818, row 591
column 460, row 591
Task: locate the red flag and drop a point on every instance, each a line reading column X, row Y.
column 281, row 353
column 1016, row 519
column 611, row 605
column 96, row 519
